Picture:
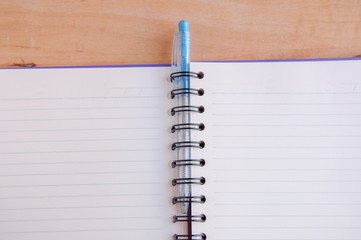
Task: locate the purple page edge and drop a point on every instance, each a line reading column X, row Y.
column 226, row 61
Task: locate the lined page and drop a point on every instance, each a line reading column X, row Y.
column 82, row 153
column 283, row 150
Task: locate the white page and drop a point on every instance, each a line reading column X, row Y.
column 283, row 150
column 84, row 154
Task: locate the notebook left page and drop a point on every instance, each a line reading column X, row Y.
column 82, row 153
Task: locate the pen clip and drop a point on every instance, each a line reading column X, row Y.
column 175, row 53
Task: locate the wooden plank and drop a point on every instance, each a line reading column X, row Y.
column 93, row 32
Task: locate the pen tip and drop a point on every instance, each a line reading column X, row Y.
column 183, row 26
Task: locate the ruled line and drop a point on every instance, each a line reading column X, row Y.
column 80, row 196
column 74, row 108
column 79, row 219
column 76, row 98
column 289, row 204
column 72, row 162
column 76, row 173
column 285, row 215
column 285, row 125
column 82, row 140
column 285, row 239
column 240, row 136
column 83, row 129
column 285, row 169
column 80, row 151
column 284, row 104
column 287, row 227
column 286, row 114
column 84, row 230
column 79, row 207
column 283, row 158
column 284, row 181
column 282, row 93
column 79, row 184
column 75, row 119
column 235, row 192
column 286, row 147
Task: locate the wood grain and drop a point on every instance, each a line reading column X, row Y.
column 90, row 32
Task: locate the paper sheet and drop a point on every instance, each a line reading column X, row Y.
column 283, row 150
column 83, row 153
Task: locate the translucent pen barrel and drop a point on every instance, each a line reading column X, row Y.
column 180, row 63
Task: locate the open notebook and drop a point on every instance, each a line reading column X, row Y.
column 85, row 153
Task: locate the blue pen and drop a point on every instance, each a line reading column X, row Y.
column 180, row 63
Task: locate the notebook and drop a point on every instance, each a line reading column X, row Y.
column 86, row 152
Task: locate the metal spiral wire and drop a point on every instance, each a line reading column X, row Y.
column 188, row 162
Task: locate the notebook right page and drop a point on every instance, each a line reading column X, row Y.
column 283, row 150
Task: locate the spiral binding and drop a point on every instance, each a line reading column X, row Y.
column 189, row 108
column 193, row 199
column 175, row 75
column 194, row 218
column 188, row 162
column 201, row 236
column 193, row 91
column 199, row 181
column 184, row 144
column 184, row 126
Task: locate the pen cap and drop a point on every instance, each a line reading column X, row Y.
column 183, row 26
column 181, row 52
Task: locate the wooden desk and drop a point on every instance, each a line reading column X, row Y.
column 90, row 32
